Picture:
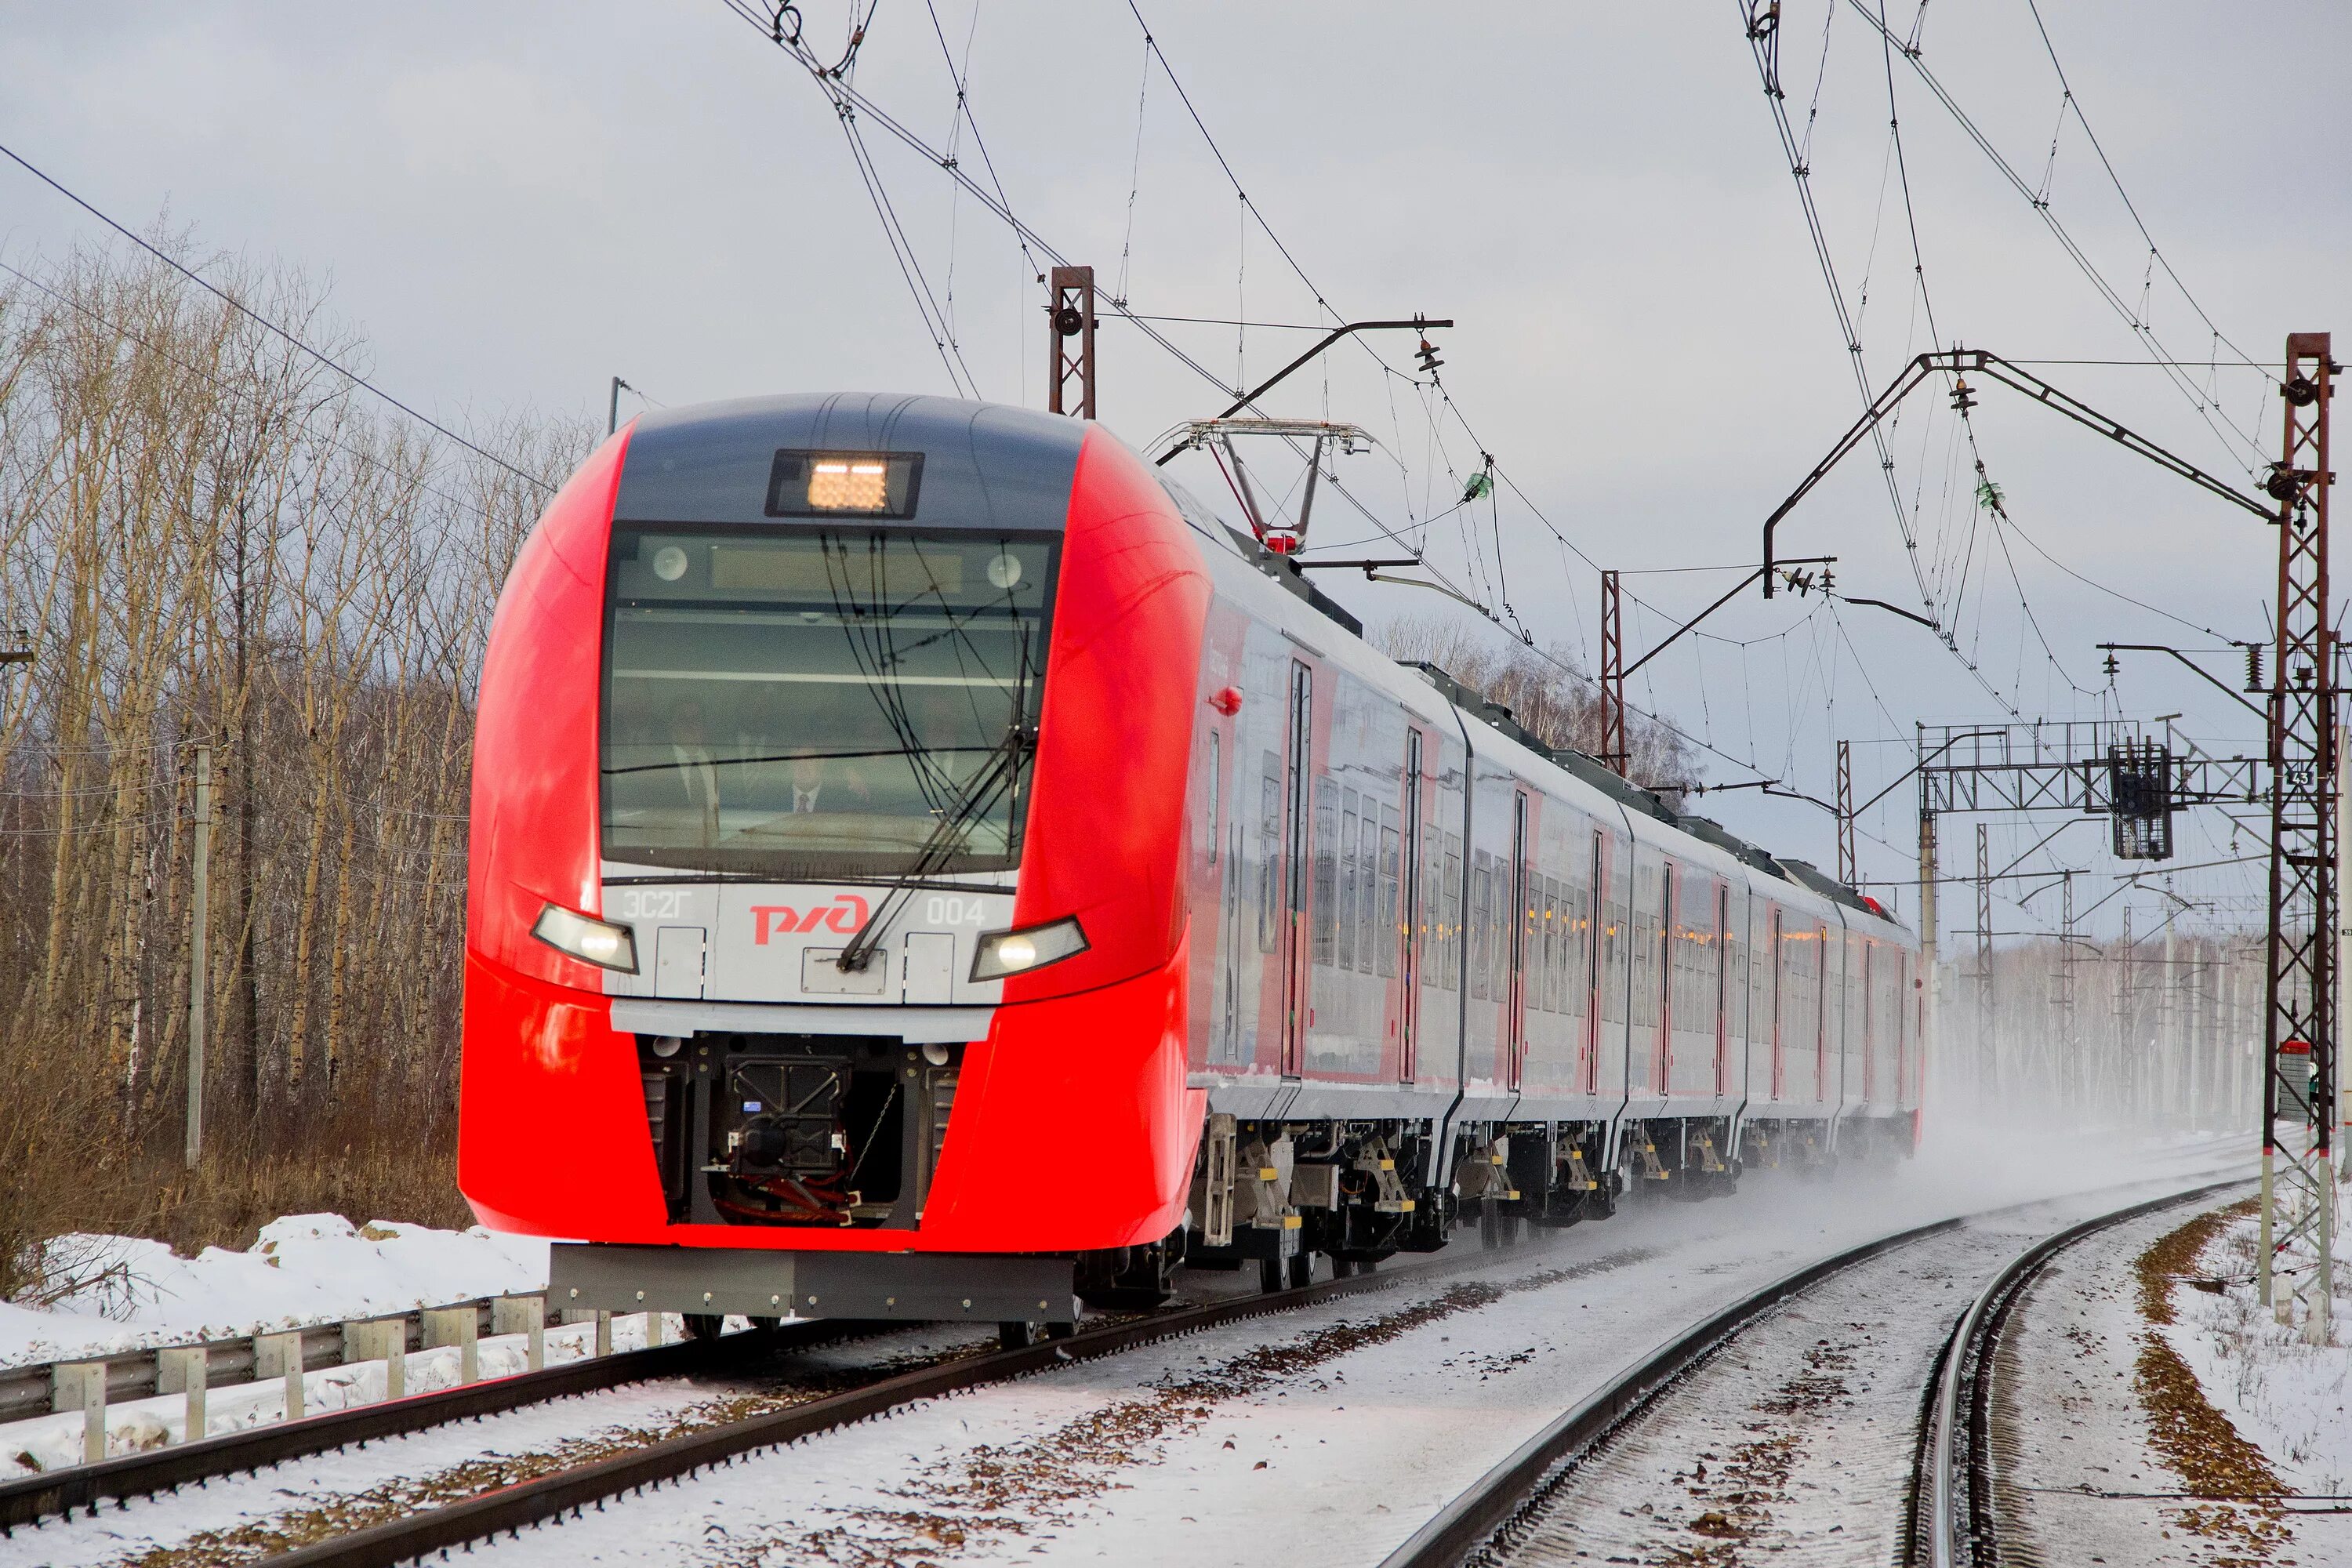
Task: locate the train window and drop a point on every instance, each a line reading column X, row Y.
column 1348, row 906
column 1857, row 1000
column 1482, row 906
column 1645, row 946
column 1269, row 854
column 1735, row 964
column 1452, row 931
column 1556, row 921
column 1209, row 811
column 1613, row 936
column 1326, row 874
column 1548, row 984
column 1539, row 943
column 1390, row 932
column 821, row 704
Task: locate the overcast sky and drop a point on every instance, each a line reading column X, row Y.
column 516, row 203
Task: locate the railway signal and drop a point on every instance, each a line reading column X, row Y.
column 1070, row 340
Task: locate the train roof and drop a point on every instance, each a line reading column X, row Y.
column 984, row 466
column 1586, row 769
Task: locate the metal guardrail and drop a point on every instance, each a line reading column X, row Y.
column 32, row 1390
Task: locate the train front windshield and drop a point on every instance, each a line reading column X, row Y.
column 819, row 706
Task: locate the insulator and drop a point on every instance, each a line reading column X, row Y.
column 1069, row 321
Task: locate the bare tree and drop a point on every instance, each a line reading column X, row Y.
column 212, row 540
column 1546, row 692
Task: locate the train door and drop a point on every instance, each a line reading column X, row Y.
column 1662, row 979
column 1515, row 1014
column 1297, row 770
column 1408, row 927
column 1823, row 1007
column 1779, row 968
column 1722, row 990
column 1869, row 1022
column 1591, row 911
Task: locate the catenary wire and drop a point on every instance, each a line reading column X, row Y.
column 233, row 302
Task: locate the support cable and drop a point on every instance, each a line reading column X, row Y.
column 241, row 308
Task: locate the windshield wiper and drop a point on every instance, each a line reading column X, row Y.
column 998, row 772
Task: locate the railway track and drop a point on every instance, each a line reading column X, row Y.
column 1507, row 1515
column 1467, row 1525
column 87, row 1489
column 1954, row 1522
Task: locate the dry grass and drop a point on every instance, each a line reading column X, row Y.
column 2196, row 1441
column 2179, row 1254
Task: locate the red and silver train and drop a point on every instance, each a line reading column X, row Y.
column 924, row 865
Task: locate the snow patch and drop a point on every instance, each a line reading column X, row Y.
column 303, row 1270
column 2288, row 1398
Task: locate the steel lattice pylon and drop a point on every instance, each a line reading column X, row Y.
column 2298, row 1218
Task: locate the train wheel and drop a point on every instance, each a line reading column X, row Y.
column 1016, row 1336
column 767, row 1325
column 1131, row 1278
column 704, row 1325
column 1269, row 1274
column 1060, row 1330
column 1302, row 1270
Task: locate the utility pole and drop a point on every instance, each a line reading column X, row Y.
column 2299, row 1028
column 2070, row 1066
column 1988, row 1025
column 1845, row 813
column 1070, row 316
column 2127, row 1028
column 1613, row 675
column 2343, row 930
column 199, row 965
column 2168, row 1015
column 1927, row 954
column 613, row 408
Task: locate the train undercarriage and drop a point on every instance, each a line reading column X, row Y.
column 846, row 1132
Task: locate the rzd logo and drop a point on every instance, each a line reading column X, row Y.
column 845, row 915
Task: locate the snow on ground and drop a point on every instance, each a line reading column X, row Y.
column 2076, row 1481
column 1327, row 1435
column 1199, row 1444
column 304, row 1269
column 1795, row 1444
column 2288, row 1398
column 54, row 1442
column 239, row 1518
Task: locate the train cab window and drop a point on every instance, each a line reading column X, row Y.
column 822, row 703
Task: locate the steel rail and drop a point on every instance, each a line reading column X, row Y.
column 28, row 1499
column 1473, row 1520
column 1951, row 1532
column 510, row 1509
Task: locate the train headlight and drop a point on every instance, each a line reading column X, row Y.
column 595, row 942
column 1003, row 952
